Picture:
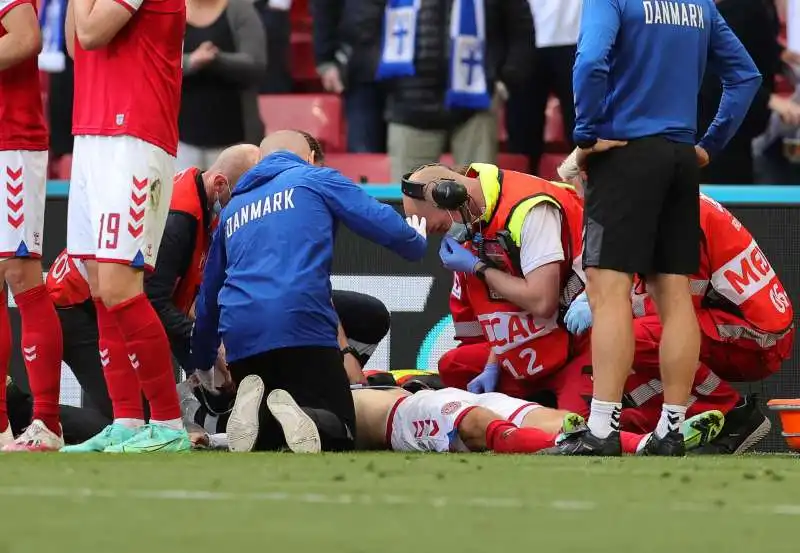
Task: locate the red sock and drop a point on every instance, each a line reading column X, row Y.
column 631, row 441
column 504, row 437
column 5, row 358
column 42, row 349
column 150, row 355
column 121, row 379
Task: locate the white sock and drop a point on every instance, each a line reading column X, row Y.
column 604, row 418
column 130, row 423
column 642, row 443
column 672, row 417
column 174, row 424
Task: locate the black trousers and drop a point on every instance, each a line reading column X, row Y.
column 316, row 379
column 365, row 321
column 525, row 111
column 642, row 208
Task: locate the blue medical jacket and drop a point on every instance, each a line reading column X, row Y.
column 266, row 283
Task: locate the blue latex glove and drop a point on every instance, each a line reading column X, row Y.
column 579, row 316
column 486, row 381
column 455, row 257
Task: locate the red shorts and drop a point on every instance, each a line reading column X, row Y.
column 571, row 385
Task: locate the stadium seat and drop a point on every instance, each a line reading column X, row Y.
column 318, row 114
column 512, row 162
column 362, row 168
column 303, row 67
column 554, row 135
column 548, row 166
column 502, row 131
column 62, row 168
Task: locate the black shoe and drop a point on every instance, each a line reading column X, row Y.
column 745, row 426
column 585, row 443
column 671, row 445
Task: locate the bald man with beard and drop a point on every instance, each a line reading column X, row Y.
column 266, row 294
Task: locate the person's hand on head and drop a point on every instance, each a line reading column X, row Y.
column 419, row 224
column 203, row 55
column 332, row 80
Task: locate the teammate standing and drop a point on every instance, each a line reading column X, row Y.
column 636, row 78
column 127, row 96
column 23, row 171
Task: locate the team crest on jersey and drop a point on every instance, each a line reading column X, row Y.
column 451, row 407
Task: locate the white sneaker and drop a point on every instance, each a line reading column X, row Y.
column 242, row 428
column 302, row 435
column 37, row 437
column 6, row 437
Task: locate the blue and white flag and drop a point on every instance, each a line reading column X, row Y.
column 468, row 88
column 51, row 19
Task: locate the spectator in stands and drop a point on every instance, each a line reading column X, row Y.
column 755, row 23
column 443, row 61
column 556, row 24
column 777, row 151
column 223, row 63
column 278, row 25
column 347, row 43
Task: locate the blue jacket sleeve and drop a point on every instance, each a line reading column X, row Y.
column 600, row 23
column 369, row 218
column 728, row 60
column 205, row 334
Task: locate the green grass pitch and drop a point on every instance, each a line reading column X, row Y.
column 394, row 502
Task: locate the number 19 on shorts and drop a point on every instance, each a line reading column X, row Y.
column 108, row 237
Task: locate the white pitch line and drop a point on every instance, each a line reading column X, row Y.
column 489, row 503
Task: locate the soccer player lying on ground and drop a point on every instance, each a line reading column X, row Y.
column 452, row 420
column 746, row 323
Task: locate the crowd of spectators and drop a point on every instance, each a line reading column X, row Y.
column 236, row 50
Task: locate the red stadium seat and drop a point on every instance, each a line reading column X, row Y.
column 548, row 166
column 363, row 168
column 318, row 114
column 62, row 167
column 502, row 131
column 301, row 55
column 512, row 162
column 554, row 135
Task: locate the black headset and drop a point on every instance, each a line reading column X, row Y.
column 446, row 193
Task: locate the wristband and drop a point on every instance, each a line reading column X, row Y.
column 351, row 350
column 480, row 270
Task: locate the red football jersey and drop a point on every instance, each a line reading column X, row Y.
column 132, row 86
column 22, row 122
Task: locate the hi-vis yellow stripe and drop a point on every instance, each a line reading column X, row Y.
column 489, row 175
column 517, row 218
